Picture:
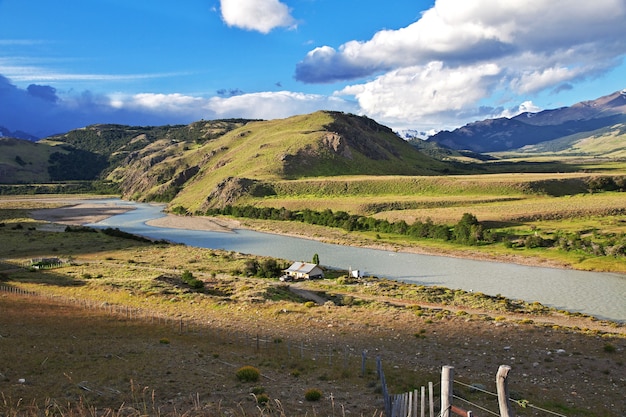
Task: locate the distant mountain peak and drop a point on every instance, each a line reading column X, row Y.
column 502, row 134
column 18, row 134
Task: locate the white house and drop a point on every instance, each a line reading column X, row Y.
column 303, row 270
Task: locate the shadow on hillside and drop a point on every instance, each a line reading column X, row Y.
column 489, row 224
column 45, row 277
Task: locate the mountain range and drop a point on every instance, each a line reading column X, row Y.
column 218, row 162
column 605, row 116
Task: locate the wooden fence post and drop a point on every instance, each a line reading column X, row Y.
column 447, row 379
column 363, row 358
column 431, row 399
column 503, row 391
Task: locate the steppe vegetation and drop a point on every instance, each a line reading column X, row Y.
column 64, row 353
column 128, row 327
column 574, row 220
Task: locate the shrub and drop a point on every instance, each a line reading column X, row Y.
column 248, row 374
column 313, row 394
column 258, row 390
column 188, row 278
column 609, row 348
column 262, row 399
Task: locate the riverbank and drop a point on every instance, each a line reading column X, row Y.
column 569, row 364
column 88, row 213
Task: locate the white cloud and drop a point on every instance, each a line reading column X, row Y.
column 461, row 54
column 271, row 105
column 262, row 105
column 461, row 33
column 180, row 108
column 411, row 94
column 525, row 107
column 258, row 15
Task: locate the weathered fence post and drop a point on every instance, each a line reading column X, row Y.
column 503, row 391
column 431, row 399
column 423, row 402
column 363, row 358
column 447, row 379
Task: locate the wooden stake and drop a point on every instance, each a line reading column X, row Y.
column 503, row 391
column 447, row 379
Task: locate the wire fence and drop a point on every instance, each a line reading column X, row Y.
column 409, row 404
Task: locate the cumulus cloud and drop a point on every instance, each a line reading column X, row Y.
column 37, row 111
column 525, row 107
column 272, row 105
column 460, row 52
column 257, row 15
column 462, row 33
column 422, row 92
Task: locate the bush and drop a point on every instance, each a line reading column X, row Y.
column 609, row 348
column 248, row 374
column 262, row 399
column 188, row 278
column 313, row 394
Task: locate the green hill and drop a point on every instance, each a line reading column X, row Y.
column 23, row 161
column 245, row 161
column 606, row 142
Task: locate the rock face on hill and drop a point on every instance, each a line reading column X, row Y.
column 218, row 162
column 504, row 134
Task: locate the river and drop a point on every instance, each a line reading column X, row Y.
column 602, row 295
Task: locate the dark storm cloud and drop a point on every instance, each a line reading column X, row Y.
column 44, row 92
column 39, row 111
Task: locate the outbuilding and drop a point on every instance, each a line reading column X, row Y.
column 304, row 270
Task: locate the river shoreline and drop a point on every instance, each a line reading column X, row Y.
column 82, row 213
column 567, row 359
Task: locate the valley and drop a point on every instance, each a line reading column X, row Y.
column 91, row 337
column 95, row 335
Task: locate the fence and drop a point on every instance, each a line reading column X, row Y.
column 414, row 403
column 311, row 349
column 406, row 404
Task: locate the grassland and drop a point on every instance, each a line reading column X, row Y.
column 117, row 331
column 514, row 207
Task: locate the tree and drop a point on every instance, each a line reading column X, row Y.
column 316, row 259
column 468, row 230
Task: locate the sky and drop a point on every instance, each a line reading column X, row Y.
column 408, row 64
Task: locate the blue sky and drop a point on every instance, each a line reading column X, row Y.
column 409, row 64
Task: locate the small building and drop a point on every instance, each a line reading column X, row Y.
column 355, row 273
column 303, row 270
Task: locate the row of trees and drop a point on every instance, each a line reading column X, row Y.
column 468, row 230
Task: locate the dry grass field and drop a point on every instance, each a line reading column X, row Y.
column 117, row 332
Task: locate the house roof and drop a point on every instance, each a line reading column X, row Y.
column 302, row 267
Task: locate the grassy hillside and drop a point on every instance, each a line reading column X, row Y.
column 607, row 142
column 248, row 161
column 23, row 161
column 89, row 338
